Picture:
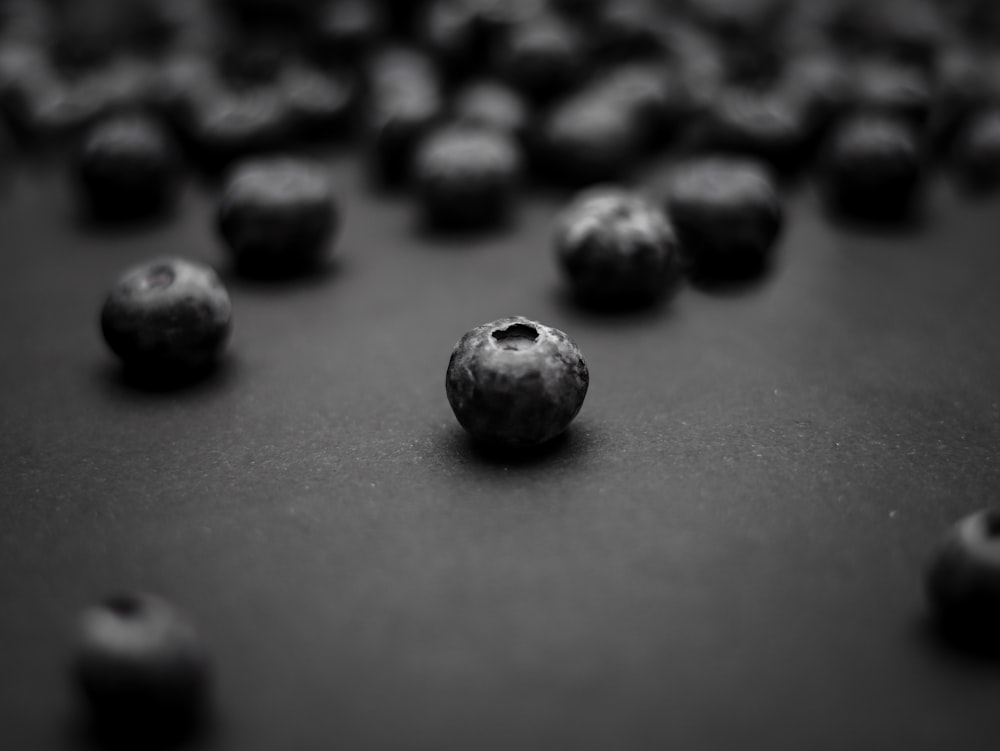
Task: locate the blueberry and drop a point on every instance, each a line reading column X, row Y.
column 963, row 581
column 278, row 216
column 872, row 168
column 260, row 12
column 616, row 249
column 627, row 30
column 820, row 85
column 587, row 139
column 128, row 85
column 515, row 382
column 977, row 151
column 405, row 103
column 543, row 57
column 234, row 125
column 167, row 317
column 728, row 215
column 467, row 177
column 46, row 108
column 490, row 104
column 140, row 666
column 346, row 29
column 748, row 32
column 83, row 35
column 498, row 17
column 699, row 66
column 184, row 84
column 127, row 168
column 451, row 32
column 961, row 85
column 580, row 8
column 903, row 30
column 653, row 96
column 251, row 58
column 320, row 103
column 893, row 89
column 765, row 126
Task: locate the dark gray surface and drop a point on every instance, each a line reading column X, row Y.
column 725, row 552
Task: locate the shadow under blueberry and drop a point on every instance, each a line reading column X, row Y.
column 889, row 223
column 978, row 647
column 619, row 312
column 192, row 729
column 133, row 380
column 733, row 282
column 110, row 224
column 282, row 278
column 459, row 234
column 569, row 447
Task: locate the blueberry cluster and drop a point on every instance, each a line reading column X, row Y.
column 464, row 102
column 871, row 94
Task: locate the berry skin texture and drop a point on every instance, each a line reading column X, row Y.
column 127, row 168
column 140, row 666
column 278, row 217
column 467, row 177
column 516, row 383
column 728, row 215
column 963, row 581
column 167, row 316
column 616, row 249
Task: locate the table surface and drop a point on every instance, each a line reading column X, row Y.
column 724, row 552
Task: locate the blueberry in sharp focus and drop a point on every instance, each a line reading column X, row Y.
column 586, row 139
column 467, row 177
column 167, row 317
column 278, row 216
column 515, row 382
column 977, row 151
column 872, row 168
column 963, row 581
column 616, row 249
column 140, row 666
column 127, row 168
column 728, row 214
